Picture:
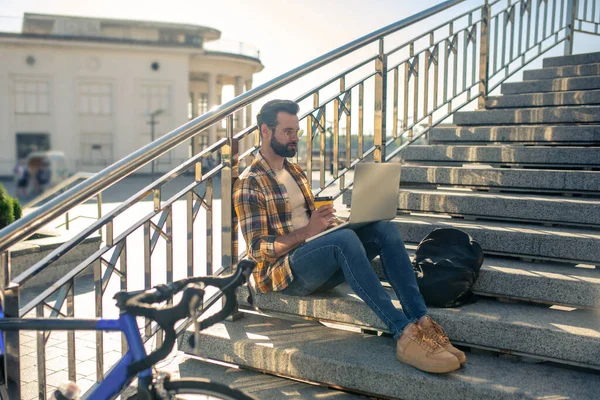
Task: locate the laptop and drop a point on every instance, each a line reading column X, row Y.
column 374, row 196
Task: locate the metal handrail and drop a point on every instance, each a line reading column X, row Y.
column 27, row 225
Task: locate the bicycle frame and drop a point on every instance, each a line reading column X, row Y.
column 117, row 379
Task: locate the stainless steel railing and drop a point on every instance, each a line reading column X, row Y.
column 401, row 88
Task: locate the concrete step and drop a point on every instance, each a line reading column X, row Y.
column 570, row 71
column 259, row 385
column 511, row 179
column 367, row 363
column 552, row 333
column 544, row 115
column 575, row 59
column 545, row 283
column 552, row 85
column 506, row 155
column 565, row 135
column 507, row 207
column 579, row 97
column 567, row 245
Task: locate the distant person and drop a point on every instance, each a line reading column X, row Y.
column 21, row 173
column 43, row 176
column 275, row 207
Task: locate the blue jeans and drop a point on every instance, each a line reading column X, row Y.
column 345, row 255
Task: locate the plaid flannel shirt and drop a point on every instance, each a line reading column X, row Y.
column 263, row 209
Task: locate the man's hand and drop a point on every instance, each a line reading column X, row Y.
column 321, row 219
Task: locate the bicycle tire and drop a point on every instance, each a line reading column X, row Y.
column 180, row 387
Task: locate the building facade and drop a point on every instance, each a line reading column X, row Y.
column 88, row 87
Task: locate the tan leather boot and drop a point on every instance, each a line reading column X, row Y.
column 437, row 333
column 417, row 349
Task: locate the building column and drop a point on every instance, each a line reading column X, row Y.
column 212, row 102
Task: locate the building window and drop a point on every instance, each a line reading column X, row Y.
column 95, row 99
column 155, row 97
column 191, row 113
column 202, row 103
column 32, row 97
column 96, row 149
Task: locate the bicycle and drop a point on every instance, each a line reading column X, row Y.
column 136, row 362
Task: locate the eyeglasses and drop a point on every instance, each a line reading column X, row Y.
column 289, row 132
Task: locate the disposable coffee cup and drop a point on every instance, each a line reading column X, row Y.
column 323, row 200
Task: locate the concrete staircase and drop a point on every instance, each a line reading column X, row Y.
column 523, row 179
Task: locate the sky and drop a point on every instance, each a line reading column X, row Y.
column 288, row 33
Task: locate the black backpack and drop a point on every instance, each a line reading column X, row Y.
column 447, row 263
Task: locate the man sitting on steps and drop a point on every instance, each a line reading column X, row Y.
column 275, row 208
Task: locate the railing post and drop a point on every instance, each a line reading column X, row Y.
column 380, row 104
column 12, row 359
column 570, row 26
column 484, row 56
column 229, row 250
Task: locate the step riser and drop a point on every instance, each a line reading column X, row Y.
column 544, row 99
column 502, row 208
column 545, row 115
column 517, row 242
column 498, row 280
column 554, row 85
column 462, row 325
column 576, row 59
column 527, row 134
column 515, row 179
column 513, row 155
column 562, row 72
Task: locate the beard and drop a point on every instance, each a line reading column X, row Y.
column 281, row 149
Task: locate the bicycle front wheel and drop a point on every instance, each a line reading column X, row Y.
column 197, row 389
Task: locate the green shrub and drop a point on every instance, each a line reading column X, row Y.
column 10, row 209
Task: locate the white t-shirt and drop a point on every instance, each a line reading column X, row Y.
column 300, row 216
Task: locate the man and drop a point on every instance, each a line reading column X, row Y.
column 275, row 207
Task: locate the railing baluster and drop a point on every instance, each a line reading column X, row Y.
column 395, row 111
column 426, row 80
column 553, row 22
column 415, row 96
column 147, row 270
column 348, row 136
column 465, row 53
column 189, row 219
column 71, row 355
column 512, row 34
column 537, row 22
column 336, row 135
column 209, row 227
column 322, row 147
column 570, row 21
column 405, row 102
column 309, row 138
column 361, row 122
column 123, row 281
column 226, row 206
column 380, row 104
column 97, row 265
column 484, row 58
column 446, row 64
column 496, row 43
column 41, row 355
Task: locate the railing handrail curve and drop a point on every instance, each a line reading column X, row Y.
column 27, row 225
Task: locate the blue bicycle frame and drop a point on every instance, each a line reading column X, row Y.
column 117, row 378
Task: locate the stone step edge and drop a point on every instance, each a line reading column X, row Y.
column 244, row 378
column 364, row 347
column 439, row 314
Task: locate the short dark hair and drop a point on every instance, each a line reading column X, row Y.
column 268, row 112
